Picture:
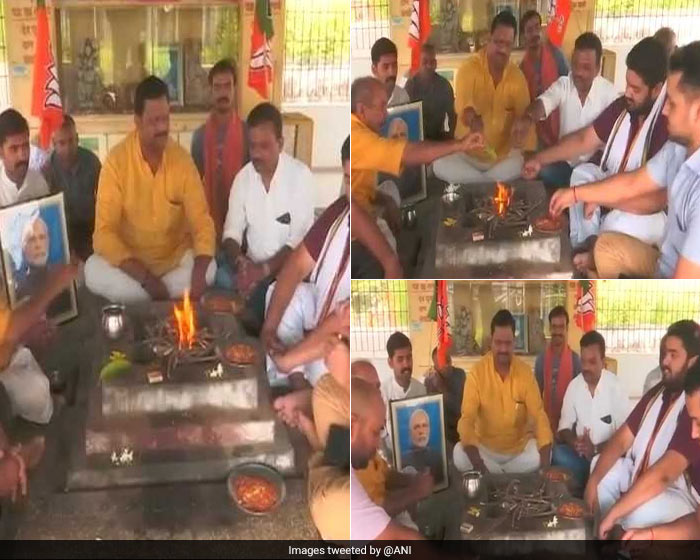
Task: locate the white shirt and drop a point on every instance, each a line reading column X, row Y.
column 563, row 95
column 610, row 402
column 251, row 206
column 34, row 186
column 367, row 519
column 398, row 97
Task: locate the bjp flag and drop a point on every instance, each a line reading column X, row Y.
column 46, row 98
column 418, row 31
column 260, row 68
column 559, row 13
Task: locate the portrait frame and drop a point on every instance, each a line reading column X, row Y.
column 521, row 333
column 412, row 116
column 402, row 412
column 20, row 278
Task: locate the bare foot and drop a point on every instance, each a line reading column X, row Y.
column 288, row 405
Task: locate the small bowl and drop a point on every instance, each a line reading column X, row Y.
column 471, row 484
column 221, row 353
column 113, row 319
column 410, row 218
column 263, row 471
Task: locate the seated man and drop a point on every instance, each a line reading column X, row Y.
column 271, row 203
column 401, row 385
column 449, row 381
column 371, row 153
column 556, row 366
column 301, row 313
column 595, row 406
column 394, row 491
column 491, row 92
column 220, row 149
column 29, row 405
column 542, row 64
column 683, row 456
column 154, row 237
column 630, row 131
column 385, row 67
column 643, row 440
column 436, row 94
column 577, row 100
column 74, row 171
column 18, row 183
column 670, row 176
column 500, row 398
column 368, row 520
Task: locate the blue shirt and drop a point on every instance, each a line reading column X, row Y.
column 672, row 169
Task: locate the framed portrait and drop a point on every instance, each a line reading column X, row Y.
column 418, row 429
column 406, row 121
column 34, row 240
column 521, row 333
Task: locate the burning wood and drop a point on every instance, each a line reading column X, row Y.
column 186, row 327
column 502, row 200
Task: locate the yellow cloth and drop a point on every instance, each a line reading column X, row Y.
column 495, row 412
column 6, row 349
column 370, row 153
column 498, row 106
column 329, row 499
column 153, row 218
column 373, row 479
column 331, row 405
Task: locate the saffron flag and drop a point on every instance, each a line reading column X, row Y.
column 559, row 13
column 418, row 31
column 260, row 68
column 443, row 324
column 46, row 97
column 584, row 308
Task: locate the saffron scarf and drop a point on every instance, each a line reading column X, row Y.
column 548, row 129
column 552, row 404
column 217, row 193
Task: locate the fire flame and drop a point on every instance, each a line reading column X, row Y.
column 186, row 328
column 501, row 201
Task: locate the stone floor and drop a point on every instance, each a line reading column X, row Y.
column 182, row 511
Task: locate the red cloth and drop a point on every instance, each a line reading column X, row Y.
column 566, row 370
column 260, row 68
column 418, row 31
column 46, row 98
column 217, row 193
column 443, row 324
column 559, row 18
column 547, row 130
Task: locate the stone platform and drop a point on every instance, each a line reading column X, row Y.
column 188, row 427
column 466, row 249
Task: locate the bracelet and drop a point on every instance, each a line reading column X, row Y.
column 575, row 197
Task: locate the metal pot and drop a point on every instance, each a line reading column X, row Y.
column 471, row 483
column 410, row 218
column 113, row 320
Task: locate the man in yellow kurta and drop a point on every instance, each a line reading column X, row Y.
column 490, row 93
column 154, row 237
column 371, row 153
column 500, row 395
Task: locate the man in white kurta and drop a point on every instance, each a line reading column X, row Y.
column 645, row 437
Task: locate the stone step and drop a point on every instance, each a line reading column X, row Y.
column 213, row 429
column 172, row 467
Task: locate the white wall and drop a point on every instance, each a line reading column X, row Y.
column 331, row 127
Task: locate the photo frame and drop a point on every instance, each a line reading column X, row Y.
column 406, row 121
column 34, row 239
column 418, row 428
column 521, row 333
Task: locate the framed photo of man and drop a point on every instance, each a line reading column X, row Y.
column 418, row 426
column 34, row 240
column 406, row 121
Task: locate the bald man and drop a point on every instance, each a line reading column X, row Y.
column 364, row 370
column 368, row 520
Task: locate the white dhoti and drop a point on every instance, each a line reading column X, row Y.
column 528, row 460
column 671, row 504
column 647, row 228
column 463, row 169
column 298, row 319
column 27, row 388
column 390, row 189
column 116, row 285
